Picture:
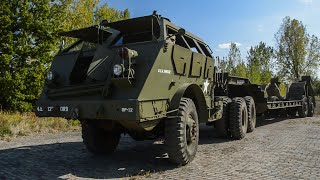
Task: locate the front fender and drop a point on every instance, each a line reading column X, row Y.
column 194, row 92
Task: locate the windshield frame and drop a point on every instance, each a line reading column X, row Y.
column 137, row 26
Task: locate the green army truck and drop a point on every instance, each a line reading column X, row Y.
column 147, row 77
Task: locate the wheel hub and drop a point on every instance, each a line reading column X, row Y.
column 191, row 130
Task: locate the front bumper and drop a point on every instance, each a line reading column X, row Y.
column 99, row 109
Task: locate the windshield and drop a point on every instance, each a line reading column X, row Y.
column 80, row 45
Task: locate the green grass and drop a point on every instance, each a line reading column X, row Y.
column 23, row 124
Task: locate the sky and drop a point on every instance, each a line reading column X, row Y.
column 219, row 22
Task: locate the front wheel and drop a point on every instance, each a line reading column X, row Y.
column 97, row 140
column 182, row 133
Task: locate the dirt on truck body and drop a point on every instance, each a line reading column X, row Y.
column 148, row 77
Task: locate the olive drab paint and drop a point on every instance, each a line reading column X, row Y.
column 140, row 75
column 153, row 65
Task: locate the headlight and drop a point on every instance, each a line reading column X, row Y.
column 117, row 69
column 50, row 76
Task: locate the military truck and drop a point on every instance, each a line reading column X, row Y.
column 147, row 77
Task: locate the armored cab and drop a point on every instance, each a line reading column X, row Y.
column 146, row 77
column 132, row 76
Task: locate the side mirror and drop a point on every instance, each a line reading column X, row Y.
column 104, row 23
column 61, row 45
column 181, row 32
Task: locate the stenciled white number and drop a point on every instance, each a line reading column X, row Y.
column 50, row 108
column 64, row 108
column 39, row 109
column 130, row 110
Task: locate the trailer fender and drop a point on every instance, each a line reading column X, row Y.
column 194, row 92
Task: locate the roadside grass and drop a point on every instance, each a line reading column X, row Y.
column 23, row 124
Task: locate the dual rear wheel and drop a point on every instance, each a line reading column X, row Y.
column 238, row 118
column 242, row 117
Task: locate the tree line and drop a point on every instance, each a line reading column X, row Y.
column 29, row 40
column 295, row 54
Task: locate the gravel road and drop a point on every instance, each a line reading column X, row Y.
column 277, row 149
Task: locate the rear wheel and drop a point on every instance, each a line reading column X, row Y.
column 238, row 118
column 182, row 133
column 303, row 109
column 252, row 119
column 222, row 125
column 99, row 141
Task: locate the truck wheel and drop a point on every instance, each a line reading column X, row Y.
column 99, row 141
column 238, row 118
column 292, row 112
column 182, row 133
column 252, row 119
column 311, row 107
column 222, row 125
column 303, row 110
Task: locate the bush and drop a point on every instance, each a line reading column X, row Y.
column 22, row 124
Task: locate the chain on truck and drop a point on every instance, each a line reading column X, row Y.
column 147, row 77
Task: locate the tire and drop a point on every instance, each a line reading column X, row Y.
column 292, row 112
column 311, row 107
column 222, row 125
column 252, row 118
column 238, row 118
column 99, row 141
column 303, row 110
column 182, row 133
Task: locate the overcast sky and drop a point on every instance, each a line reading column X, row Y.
column 219, row 22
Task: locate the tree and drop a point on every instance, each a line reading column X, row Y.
column 234, row 56
column 296, row 52
column 235, row 65
column 313, row 56
column 84, row 13
column 259, row 63
column 110, row 14
column 29, row 40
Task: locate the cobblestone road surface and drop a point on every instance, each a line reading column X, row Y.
column 277, row 149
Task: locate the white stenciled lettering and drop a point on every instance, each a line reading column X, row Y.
column 39, row 109
column 50, row 108
column 64, row 108
column 130, row 110
column 164, row 71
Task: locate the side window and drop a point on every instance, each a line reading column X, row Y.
column 204, row 49
column 193, row 45
column 179, row 40
column 187, row 42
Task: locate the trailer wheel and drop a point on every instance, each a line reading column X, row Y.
column 311, row 107
column 292, row 112
column 182, row 133
column 252, row 119
column 238, row 118
column 303, row 110
column 221, row 126
column 99, row 141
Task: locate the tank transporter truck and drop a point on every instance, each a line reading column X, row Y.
column 147, row 77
